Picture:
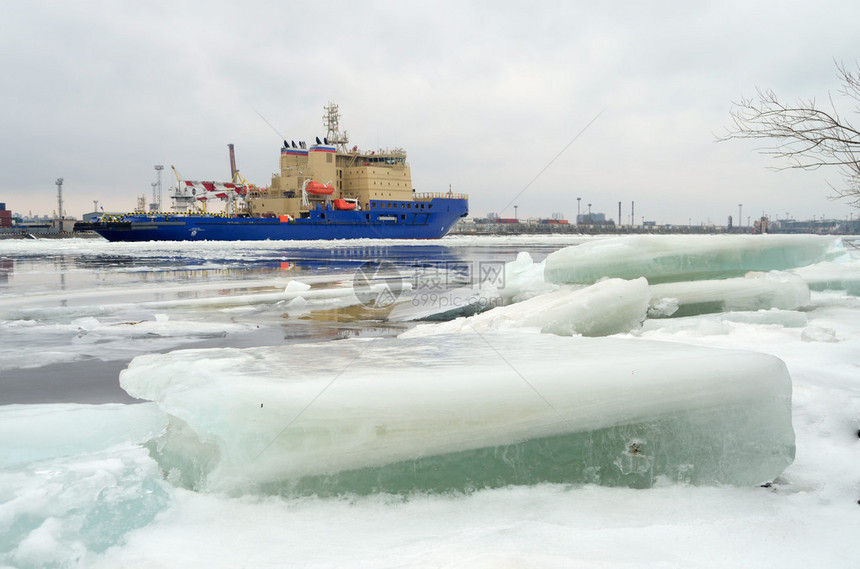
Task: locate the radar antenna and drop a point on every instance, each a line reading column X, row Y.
column 331, row 120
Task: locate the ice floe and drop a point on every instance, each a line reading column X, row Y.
column 832, row 276
column 460, row 411
column 104, row 338
column 672, row 258
column 608, row 307
column 755, row 291
column 37, row 432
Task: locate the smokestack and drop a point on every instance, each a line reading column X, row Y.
column 632, row 214
column 232, row 163
column 619, row 213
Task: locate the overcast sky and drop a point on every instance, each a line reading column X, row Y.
column 482, row 95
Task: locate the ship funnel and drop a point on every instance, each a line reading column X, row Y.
column 232, row 163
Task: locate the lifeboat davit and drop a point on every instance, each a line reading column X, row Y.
column 343, row 204
column 319, row 188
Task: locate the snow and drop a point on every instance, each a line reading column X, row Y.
column 546, row 526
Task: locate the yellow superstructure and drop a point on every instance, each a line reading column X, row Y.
column 353, row 174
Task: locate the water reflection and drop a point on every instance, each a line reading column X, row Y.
column 7, row 266
column 82, row 304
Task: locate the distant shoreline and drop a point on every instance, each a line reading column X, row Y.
column 25, row 234
column 524, row 229
column 539, row 229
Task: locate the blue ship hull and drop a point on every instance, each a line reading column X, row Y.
column 384, row 220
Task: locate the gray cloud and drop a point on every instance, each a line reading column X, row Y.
column 482, row 96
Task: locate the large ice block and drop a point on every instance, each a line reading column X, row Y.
column 669, row 258
column 755, row 291
column 608, row 307
column 462, row 411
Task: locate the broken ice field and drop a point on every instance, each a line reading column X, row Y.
column 550, row 387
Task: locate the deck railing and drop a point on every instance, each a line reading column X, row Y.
column 427, row 196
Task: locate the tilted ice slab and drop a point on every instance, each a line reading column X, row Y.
column 514, row 281
column 723, row 323
column 521, row 279
column 755, row 291
column 462, row 411
column 669, row 258
column 445, row 304
column 832, row 276
column 608, row 307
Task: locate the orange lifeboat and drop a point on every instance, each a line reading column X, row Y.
column 343, row 204
column 319, row 188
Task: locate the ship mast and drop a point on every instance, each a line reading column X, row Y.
column 331, row 121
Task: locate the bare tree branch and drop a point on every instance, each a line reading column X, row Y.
column 805, row 135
